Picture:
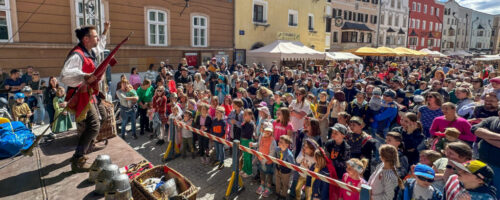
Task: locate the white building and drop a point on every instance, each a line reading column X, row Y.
column 393, row 28
column 481, row 29
column 456, row 27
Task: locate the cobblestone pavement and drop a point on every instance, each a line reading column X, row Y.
column 212, row 182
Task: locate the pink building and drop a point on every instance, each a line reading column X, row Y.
column 425, row 24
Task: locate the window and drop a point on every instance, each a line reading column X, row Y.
column 389, row 21
column 432, row 10
column 413, row 41
column 382, row 19
column 448, row 21
column 293, row 18
column 199, row 31
column 396, row 22
column 399, row 4
column 335, row 37
column 369, row 38
column 79, row 14
column 422, row 42
column 350, row 15
column 375, row 19
column 479, row 45
column 392, row 3
column 387, row 40
column 404, row 22
column 425, row 8
column 345, row 15
column 310, row 20
column 412, row 23
column 423, row 25
column 440, row 27
column 362, row 37
column 437, row 12
column 259, row 11
column 157, row 31
column 418, row 7
column 339, row 12
column 430, row 26
column 436, row 26
column 418, row 24
column 5, row 24
column 350, row 36
column 480, row 33
column 328, row 24
column 414, row 6
column 334, row 13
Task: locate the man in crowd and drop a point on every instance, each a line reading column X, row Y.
column 349, row 90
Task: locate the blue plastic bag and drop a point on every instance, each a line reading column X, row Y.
column 14, row 137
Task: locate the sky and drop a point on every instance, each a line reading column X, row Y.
column 486, row 6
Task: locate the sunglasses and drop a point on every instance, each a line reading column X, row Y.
column 425, row 179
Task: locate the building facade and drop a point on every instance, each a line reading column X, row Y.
column 481, row 31
column 456, row 27
column 425, row 25
column 495, row 36
column 163, row 31
column 393, row 23
column 261, row 22
column 353, row 24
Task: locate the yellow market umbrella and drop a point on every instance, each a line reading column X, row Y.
column 366, row 51
column 418, row 53
column 406, row 51
column 386, row 51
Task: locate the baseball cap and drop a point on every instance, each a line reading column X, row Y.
column 418, row 99
column 19, row 95
column 495, row 80
column 340, row 128
column 269, row 128
column 424, row 171
column 390, row 93
column 478, row 168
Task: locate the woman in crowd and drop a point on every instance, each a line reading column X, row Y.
column 451, row 119
column 431, row 110
column 48, row 97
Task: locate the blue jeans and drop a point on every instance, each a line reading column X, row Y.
column 39, row 114
column 128, row 115
column 219, row 151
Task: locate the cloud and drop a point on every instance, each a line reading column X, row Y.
column 486, row 6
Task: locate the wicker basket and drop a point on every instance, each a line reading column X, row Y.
column 186, row 189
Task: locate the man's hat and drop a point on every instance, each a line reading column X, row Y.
column 478, row 168
column 340, row 128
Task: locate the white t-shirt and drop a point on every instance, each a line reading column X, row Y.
column 298, row 123
column 422, row 193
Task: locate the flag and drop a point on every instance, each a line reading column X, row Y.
column 81, row 99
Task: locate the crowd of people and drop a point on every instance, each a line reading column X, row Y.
column 413, row 129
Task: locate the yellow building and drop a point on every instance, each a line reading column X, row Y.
column 261, row 22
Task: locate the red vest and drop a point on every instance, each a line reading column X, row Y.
column 88, row 65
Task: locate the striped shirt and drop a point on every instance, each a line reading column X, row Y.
column 452, row 188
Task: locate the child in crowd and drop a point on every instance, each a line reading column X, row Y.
column 218, row 129
column 267, row 146
column 282, row 174
column 63, row 121
column 235, row 119
column 385, row 179
column 306, row 160
column 213, row 107
column 354, row 177
column 343, row 118
column 204, row 123
column 177, row 136
column 221, row 88
column 319, row 189
column 322, row 115
column 20, row 110
column 428, row 157
column 450, row 135
column 396, row 140
column 337, row 148
column 187, row 136
column 31, row 101
column 130, row 93
column 282, row 124
column 421, row 186
column 247, row 131
column 160, row 117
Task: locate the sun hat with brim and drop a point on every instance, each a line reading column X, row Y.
column 424, row 171
column 269, row 129
column 478, row 168
column 264, row 109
